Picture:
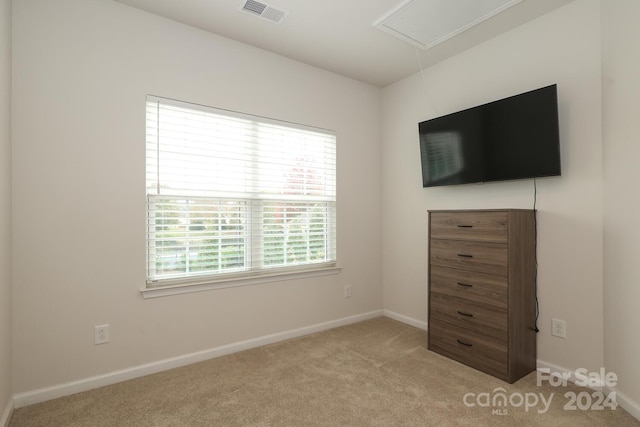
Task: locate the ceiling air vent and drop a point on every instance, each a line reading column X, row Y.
column 264, row 11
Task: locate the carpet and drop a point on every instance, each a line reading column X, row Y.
column 373, row 373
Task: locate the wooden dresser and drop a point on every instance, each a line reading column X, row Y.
column 482, row 308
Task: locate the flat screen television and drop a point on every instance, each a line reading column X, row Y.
column 508, row 139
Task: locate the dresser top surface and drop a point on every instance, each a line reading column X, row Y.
column 481, row 210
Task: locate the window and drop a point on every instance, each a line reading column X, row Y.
column 231, row 195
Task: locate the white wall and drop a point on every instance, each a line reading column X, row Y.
column 562, row 47
column 621, row 95
column 5, row 205
column 82, row 69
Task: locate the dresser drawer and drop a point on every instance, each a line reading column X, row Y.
column 487, row 289
column 490, row 258
column 475, row 350
column 478, row 226
column 469, row 315
column 482, row 298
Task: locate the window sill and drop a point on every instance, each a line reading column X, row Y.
column 207, row 285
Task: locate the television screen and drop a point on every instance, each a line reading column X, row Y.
column 513, row 138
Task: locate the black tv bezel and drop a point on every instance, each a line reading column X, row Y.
column 426, row 183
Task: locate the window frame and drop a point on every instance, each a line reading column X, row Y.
column 200, row 282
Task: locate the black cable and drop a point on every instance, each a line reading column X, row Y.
column 535, row 252
column 535, row 194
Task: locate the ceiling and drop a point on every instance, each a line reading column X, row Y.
column 339, row 35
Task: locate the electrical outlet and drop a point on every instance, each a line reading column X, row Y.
column 558, row 328
column 101, row 334
column 347, row 291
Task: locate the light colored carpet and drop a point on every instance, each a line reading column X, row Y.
column 373, row 373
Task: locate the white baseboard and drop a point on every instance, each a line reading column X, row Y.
column 558, row 370
column 48, row 393
column 632, row 407
column 405, row 319
column 6, row 415
column 626, row 403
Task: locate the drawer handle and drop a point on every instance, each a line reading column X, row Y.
column 462, row 313
column 465, row 255
column 465, row 226
column 464, row 343
column 465, row 285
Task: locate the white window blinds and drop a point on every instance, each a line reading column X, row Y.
column 233, row 194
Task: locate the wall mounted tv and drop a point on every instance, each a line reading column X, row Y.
column 513, row 138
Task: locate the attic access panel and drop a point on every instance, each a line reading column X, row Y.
column 425, row 23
